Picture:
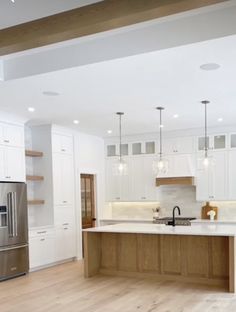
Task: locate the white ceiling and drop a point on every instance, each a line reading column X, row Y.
column 27, row 10
column 136, row 85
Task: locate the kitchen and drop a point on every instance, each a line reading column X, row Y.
column 67, row 129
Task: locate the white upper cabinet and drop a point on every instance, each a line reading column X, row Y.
column 62, row 143
column 214, row 142
column 117, row 187
column 232, row 175
column 12, row 166
column 212, row 181
column 12, row 153
column 12, row 135
column 143, row 179
column 182, row 145
column 63, row 179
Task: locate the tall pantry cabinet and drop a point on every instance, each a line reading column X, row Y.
column 58, row 190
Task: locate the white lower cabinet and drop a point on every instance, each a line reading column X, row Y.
column 41, row 248
column 65, row 244
column 49, row 246
column 212, row 181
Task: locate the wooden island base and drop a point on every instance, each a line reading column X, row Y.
column 196, row 259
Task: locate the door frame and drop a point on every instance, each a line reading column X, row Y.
column 94, row 212
column 79, row 210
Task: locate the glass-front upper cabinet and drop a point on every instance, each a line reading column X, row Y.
column 139, row 148
column 214, row 142
column 114, row 150
column 233, row 140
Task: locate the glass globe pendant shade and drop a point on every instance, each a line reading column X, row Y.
column 120, row 167
column 160, row 166
column 207, row 161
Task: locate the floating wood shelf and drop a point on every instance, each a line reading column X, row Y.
column 33, row 153
column 36, row 202
column 34, row 178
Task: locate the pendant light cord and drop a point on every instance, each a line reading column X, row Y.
column 160, row 133
column 206, row 134
column 205, row 129
column 120, row 133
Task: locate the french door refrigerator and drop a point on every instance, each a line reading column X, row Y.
column 14, row 259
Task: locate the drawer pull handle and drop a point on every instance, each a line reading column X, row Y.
column 65, row 224
column 42, row 239
column 65, row 228
column 6, row 141
column 42, row 232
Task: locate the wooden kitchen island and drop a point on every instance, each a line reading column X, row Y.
column 197, row 254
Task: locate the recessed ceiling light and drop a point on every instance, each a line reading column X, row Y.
column 13, row 1
column 175, row 116
column 76, row 122
column 109, row 131
column 210, row 66
column 220, row 119
column 50, row 93
column 161, row 126
column 31, row 109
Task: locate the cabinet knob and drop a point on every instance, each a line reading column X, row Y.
column 63, row 150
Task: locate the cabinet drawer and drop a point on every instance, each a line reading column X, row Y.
column 38, row 232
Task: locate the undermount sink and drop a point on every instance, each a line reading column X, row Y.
column 184, row 221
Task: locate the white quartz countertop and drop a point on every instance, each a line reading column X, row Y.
column 125, row 220
column 206, row 229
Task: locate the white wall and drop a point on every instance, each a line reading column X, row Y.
column 90, row 159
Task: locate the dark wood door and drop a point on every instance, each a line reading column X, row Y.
column 87, row 200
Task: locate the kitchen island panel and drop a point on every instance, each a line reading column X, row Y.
column 198, row 259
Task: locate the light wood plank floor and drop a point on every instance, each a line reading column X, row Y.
column 63, row 289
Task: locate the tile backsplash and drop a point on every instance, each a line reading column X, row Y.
column 168, row 196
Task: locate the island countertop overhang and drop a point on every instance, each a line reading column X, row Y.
column 196, row 229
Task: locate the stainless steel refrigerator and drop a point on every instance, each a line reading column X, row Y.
column 14, row 259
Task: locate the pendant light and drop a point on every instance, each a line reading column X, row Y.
column 120, row 166
column 207, row 159
column 160, row 166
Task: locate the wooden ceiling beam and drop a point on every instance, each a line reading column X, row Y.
column 91, row 19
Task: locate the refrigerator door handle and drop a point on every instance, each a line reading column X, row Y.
column 9, row 214
column 13, row 247
column 14, row 205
